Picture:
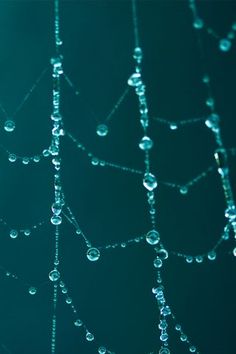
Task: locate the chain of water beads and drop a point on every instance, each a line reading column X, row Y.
column 102, row 128
column 209, row 255
column 89, row 336
column 224, row 44
column 14, row 233
column 9, row 125
column 165, row 311
column 25, row 160
column 174, row 125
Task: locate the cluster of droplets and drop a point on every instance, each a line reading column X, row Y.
column 224, row 44
column 25, row 160
column 211, row 255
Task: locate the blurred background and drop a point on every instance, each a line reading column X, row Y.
column 113, row 295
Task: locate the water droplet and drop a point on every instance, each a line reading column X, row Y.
column 78, row 323
column 225, row 45
column 135, row 80
column 64, row 291
column 153, row 237
column 213, row 122
column 27, row 232
column 138, row 54
column 199, row 259
column 173, row 126
column 102, row 130
column 12, row 157
column 192, row 349
column 32, row 290
column 9, row 125
column 89, row 336
column 93, row 254
column 163, row 324
column 25, row 160
column 54, row 275
column 164, row 351
column 198, row 23
column 178, row 327
column 189, row 259
column 161, row 253
column 234, row 252
column 183, row 190
column 146, row 143
column 149, row 181
column 56, row 117
column 56, row 220
column 95, row 161
column 211, row 255
column 102, row 350
column 46, row 153
column 56, row 208
column 164, row 337
column 68, row 300
column 13, row 233
column 210, row 102
column 157, row 262
column 183, row 337
column 36, row 158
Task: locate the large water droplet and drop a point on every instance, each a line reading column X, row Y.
column 93, row 254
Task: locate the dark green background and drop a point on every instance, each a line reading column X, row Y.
column 114, row 295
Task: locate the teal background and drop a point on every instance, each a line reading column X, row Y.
column 114, row 295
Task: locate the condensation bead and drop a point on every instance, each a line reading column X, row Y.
column 153, row 237
column 211, row 255
column 192, row 349
column 225, row 45
column 162, row 253
column 27, row 232
column 54, row 275
column 135, row 80
column 89, row 336
column 183, row 190
column 198, row 23
column 210, row 102
column 189, row 259
column 12, row 157
column 25, row 160
column 78, row 323
column 183, row 337
column 102, row 350
column 36, row 158
column 234, row 252
column 64, row 291
column 146, row 143
column 213, row 122
column 163, row 324
column 140, row 90
column 164, row 351
column 102, row 130
column 138, row 54
column 56, row 220
column 68, row 300
column 56, row 208
column 32, row 290
column 9, row 125
column 173, row 126
column 178, row 327
column 149, row 181
column 93, row 254
column 206, row 79
column 13, row 233
column 164, row 337
column 56, row 117
column 199, row 259
column 46, row 153
column 157, row 262
column 94, row 161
